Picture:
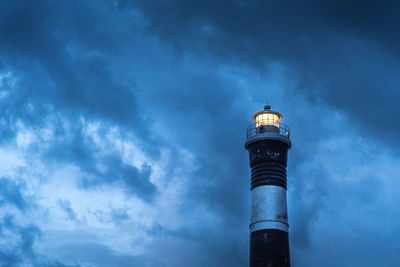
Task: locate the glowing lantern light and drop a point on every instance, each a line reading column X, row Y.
column 267, row 117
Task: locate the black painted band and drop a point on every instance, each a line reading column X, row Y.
column 267, row 151
column 269, row 247
column 268, row 173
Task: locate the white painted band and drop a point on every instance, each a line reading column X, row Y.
column 268, row 208
column 269, row 225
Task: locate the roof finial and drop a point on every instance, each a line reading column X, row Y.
column 267, row 106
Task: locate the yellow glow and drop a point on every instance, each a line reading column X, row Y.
column 267, row 119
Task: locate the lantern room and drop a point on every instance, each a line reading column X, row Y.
column 267, row 117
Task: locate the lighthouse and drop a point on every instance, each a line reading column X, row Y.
column 268, row 142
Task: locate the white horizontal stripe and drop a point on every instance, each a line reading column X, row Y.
column 269, row 225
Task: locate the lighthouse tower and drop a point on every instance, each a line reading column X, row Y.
column 268, row 143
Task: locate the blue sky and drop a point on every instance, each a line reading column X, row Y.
column 123, row 122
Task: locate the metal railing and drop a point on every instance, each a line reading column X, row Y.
column 255, row 129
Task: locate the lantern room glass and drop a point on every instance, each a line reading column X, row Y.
column 267, row 119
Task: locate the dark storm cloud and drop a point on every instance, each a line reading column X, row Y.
column 344, row 52
column 54, row 72
column 22, row 249
column 11, row 193
column 135, row 181
column 71, row 145
column 57, row 80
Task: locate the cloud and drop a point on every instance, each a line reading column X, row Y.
column 66, row 207
column 11, row 194
column 78, row 84
column 343, row 53
column 20, row 241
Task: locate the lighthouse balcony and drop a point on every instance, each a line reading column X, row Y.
column 277, row 131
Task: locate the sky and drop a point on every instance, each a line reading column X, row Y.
column 122, row 125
